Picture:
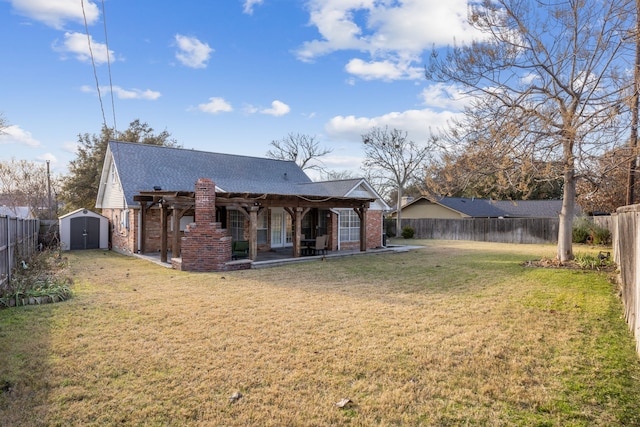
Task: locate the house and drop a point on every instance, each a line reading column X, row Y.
column 461, row 207
column 193, row 202
column 23, row 212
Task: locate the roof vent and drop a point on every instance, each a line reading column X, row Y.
column 157, row 188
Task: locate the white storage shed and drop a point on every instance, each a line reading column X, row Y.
column 84, row 229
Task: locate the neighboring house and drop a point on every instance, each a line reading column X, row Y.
column 461, row 207
column 23, row 212
column 159, row 197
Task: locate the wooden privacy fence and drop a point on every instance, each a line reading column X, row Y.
column 626, row 252
column 502, row 230
column 18, row 240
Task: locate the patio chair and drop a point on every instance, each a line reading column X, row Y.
column 239, row 249
column 320, row 246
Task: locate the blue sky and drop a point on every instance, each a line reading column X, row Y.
column 226, row 76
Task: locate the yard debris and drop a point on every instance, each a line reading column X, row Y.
column 235, row 397
column 344, row 403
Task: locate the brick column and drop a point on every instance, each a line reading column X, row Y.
column 206, row 246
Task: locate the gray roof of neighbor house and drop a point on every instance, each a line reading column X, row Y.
column 487, row 208
column 141, row 167
column 16, row 211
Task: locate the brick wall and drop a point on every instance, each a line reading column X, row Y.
column 122, row 239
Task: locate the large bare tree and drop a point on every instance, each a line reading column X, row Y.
column 392, row 160
column 303, row 149
column 556, row 70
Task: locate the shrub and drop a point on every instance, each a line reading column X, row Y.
column 580, row 231
column 41, row 276
column 407, row 232
column 585, row 231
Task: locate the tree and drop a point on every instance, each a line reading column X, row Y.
column 393, row 159
column 3, row 124
column 80, row 188
column 24, row 183
column 604, row 189
column 554, row 71
column 479, row 157
column 303, row 149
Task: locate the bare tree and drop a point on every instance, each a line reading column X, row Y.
column 303, row 149
column 394, row 160
column 556, row 70
column 24, row 183
column 3, row 124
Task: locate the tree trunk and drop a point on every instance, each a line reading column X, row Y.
column 399, row 212
column 565, row 230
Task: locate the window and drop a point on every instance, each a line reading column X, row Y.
column 263, row 227
column 349, row 226
column 236, row 225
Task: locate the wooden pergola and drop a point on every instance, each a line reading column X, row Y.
column 174, row 205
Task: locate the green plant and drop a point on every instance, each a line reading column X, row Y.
column 37, row 279
column 408, row 232
column 585, row 231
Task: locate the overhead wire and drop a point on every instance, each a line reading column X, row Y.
column 106, row 42
column 93, row 63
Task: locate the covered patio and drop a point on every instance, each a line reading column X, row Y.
column 208, row 205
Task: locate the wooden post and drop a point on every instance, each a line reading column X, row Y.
column 142, row 226
column 362, row 214
column 253, row 232
column 175, row 245
column 163, row 232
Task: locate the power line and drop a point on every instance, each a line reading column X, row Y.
column 106, row 42
column 93, row 63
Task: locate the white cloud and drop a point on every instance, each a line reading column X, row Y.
column 192, row 52
column 393, row 34
column 48, row 156
column 15, row 135
column 121, row 93
column 444, row 96
column 55, row 13
column 382, row 70
column 77, row 45
column 278, row 108
column 417, row 123
column 215, row 105
column 249, row 5
column 70, row 146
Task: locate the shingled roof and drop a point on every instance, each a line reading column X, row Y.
column 487, row 208
column 143, row 167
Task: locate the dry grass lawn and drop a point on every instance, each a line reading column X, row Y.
column 455, row 333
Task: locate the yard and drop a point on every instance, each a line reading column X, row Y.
column 455, row 333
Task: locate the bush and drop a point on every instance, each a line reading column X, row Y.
column 585, row 231
column 407, row 232
column 39, row 278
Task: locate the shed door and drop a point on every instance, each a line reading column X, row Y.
column 85, row 233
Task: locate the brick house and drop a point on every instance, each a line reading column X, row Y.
column 158, row 199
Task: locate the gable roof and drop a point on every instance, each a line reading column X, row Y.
column 488, row 208
column 143, row 167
